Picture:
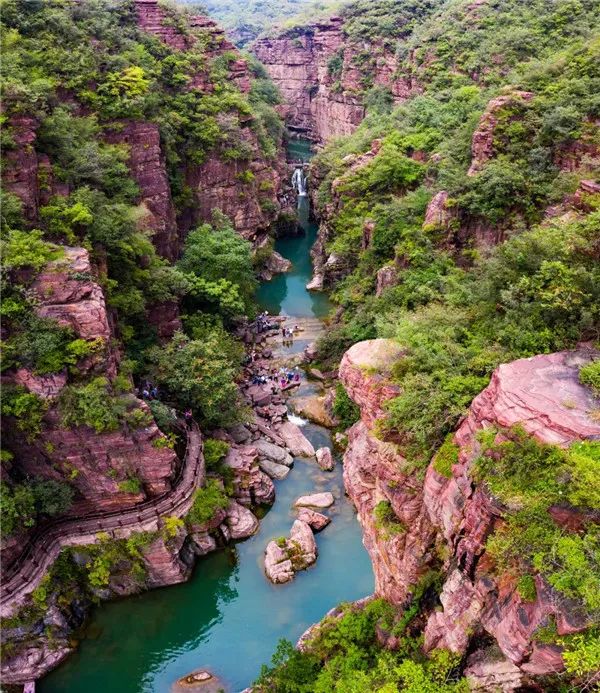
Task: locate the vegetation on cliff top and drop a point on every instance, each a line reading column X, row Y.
column 344, row 654
column 459, row 305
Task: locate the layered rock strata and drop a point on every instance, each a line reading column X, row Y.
column 409, row 523
column 542, row 395
column 322, row 82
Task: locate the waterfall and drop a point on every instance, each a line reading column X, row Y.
column 299, row 181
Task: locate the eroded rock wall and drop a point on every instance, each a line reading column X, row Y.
column 411, row 525
column 322, row 79
column 543, row 395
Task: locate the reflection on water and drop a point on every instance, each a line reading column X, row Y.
column 286, row 293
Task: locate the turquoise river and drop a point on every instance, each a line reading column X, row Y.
column 228, row 617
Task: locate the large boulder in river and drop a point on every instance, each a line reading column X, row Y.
column 273, row 452
column 317, row 521
column 274, row 470
column 325, row 459
column 242, row 523
column 295, row 441
column 278, row 565
column 316, row 500
column 284, row 557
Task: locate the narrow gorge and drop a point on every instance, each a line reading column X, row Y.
column 307, row 335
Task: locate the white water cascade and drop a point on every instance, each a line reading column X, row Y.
column 299, row 181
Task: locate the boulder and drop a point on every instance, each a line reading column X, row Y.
column 313, row 408
column 274, row 470
column 284, row 557
column 295, row 441
column 302, row 546
column 275, row 264
column 273, row 452
column 325, row 459
column 278, row 565
column 241, row 522
column 316, row 500
column 316, row 521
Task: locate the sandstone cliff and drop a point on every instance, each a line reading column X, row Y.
column 250, row 201
column 413, row 525
column 323, row 76
column 94, row 464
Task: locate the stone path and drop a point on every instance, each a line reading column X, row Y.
column 44, row 545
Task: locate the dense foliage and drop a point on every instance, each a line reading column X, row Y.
column 531, row 478
column 458, row 306
column 76, row 75
column 344, row 655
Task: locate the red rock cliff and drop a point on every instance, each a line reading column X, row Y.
column 379, row 480
column 449, row 519
column 246, row 191
column 94, row 464
column 543, row 395
column 316, row 70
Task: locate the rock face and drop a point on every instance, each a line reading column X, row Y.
column 400, row 551
column 320, row 82
column 163, row 563
column 482, row 145
column 94, row 464
column 438, row 216
column 543, row 395
column 67, row 293
column 33, row 662
column 364, row 372
column 148, row 170
column 25, row 169
column 246, row 191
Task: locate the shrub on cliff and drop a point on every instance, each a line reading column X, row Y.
column 218, row 256
column 538, row 292
column 533, row 477
column 24, row 503
column 344, row 655
column 206, row 503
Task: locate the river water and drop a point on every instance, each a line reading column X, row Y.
column 229, row 617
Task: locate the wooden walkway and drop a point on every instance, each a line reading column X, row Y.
column 44, row 545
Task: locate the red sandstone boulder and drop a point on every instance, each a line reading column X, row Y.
column 316, row 521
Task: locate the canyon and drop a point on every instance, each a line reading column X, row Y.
column 323, row 76
column 427, row 526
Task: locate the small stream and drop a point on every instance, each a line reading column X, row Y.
column 229, row 617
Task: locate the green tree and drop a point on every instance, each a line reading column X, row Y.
column 200, row 374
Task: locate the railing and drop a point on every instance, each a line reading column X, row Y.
column 190, row 476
